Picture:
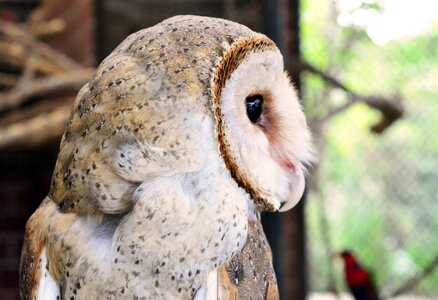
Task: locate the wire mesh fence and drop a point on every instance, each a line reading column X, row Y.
column 375, row 191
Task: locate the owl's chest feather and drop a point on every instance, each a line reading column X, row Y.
column 180, row 229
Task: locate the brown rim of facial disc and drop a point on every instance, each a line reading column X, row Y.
column 231, row 59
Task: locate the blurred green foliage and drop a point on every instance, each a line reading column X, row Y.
column 379, row 193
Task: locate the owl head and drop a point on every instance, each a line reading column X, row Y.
column 172, row 99
column 261, row 129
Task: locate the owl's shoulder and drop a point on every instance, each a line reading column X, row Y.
column 250, row 273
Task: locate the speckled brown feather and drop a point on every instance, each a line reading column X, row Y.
column 232, row 58
column 30, row 255
column 250, row 273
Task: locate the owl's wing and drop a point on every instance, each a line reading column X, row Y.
column 247, row 275
column 35, row 279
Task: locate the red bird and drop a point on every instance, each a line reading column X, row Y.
column 359, row 280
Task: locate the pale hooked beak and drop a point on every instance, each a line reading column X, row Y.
column 296, row 189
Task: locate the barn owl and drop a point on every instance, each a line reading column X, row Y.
column 185, row 133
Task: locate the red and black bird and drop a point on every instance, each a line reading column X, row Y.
column 358, row 279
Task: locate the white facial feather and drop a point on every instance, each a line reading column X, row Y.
column 263, row 71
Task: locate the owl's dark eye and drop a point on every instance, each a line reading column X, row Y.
column 254, row 107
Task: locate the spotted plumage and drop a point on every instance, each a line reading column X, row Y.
column 250, row 274
column 162, row 175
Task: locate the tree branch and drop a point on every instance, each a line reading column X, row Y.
column 39, row 128
column 14, row 54
column 7, row 80
column 391, row 108
column 39, row 87
column 413, row 282
column 22, row 37
column 44, row 71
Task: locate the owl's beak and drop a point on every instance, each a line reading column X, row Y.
column 296, row 189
